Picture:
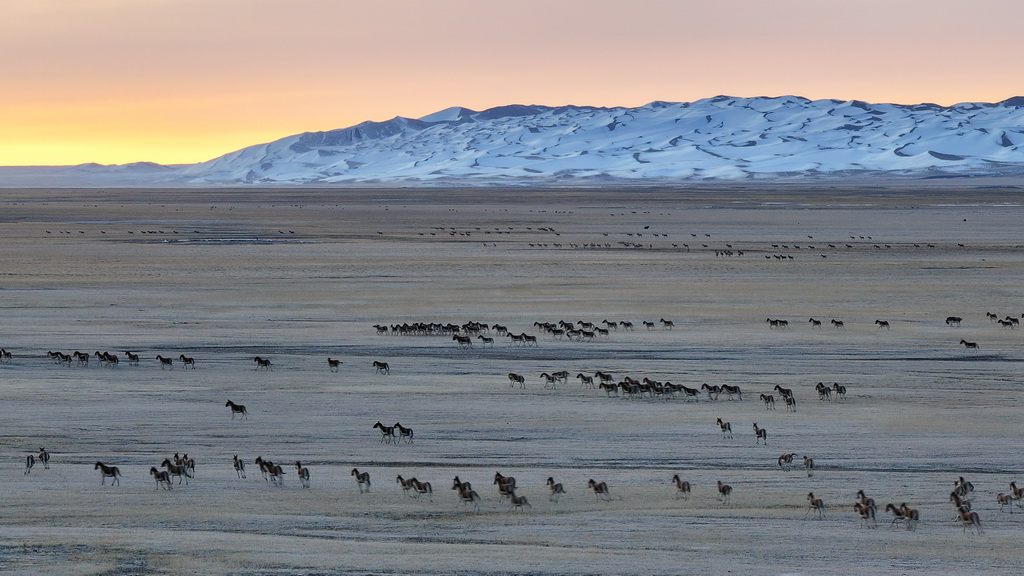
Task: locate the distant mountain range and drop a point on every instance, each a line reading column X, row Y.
column 721, row 138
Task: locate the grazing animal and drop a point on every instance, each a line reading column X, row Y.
column 165, row 362
column 840, row 390
column 838, row 324
column 303, row 474
column 464, row 341
column 760, row 435
column 814, row 323
column 785, row 392
column 381, row 367
column 959, row 504
column 667, row 324
column 176, row 470
column 790, row 403
column 683, row 487
column 458, row 483
column 1017, row 492
column 162, row 477
column 898, row 517
column 30, row 461
column 867, row 502
column 518, row 502
column 237, row 409
column 867, row 515
column 387, row 433
column 969, row 345
column 272, row 473
column 421, row 488
column 264, row 466
column 600, row 489
column 405, row 484
column 911, row 516
column 1005, row 500
column 484, row 340
column 551, row 380
column 188, row 463
column 276, row 473
column 108, row 472
column 769, row 401
column 809, row 466
column 824, row 392
column 514, row 379
column 724, row 492
column 467, row 495
column 882, row 324
column 730, row 390
column 786, row 461
column 953, row 320
column 726, row 428
column 133, row 359
column 648, row 324
column 778, row 323
column 690, row 392
column 506, row 484
column 557, row 490
column 585, row 380
column 263, row 363
column 44, row 457
column 187, row 361
column 969, row 518
column 403, row 433
column 239, row 466
column 362, row 479
column 963, row 487
column 333, row 364
column 5, row 356
column 815, row 504
column 716, row 390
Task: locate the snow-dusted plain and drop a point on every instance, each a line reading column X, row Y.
column 722, row 138
column 300, row 275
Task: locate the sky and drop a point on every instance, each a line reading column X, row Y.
column 184, row 81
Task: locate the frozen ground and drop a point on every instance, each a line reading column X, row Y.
column 298, row 276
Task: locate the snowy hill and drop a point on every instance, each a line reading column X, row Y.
column 717, row 138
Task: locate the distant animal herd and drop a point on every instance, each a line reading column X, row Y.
column 183, row 468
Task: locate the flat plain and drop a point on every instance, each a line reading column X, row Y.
column 300, row 275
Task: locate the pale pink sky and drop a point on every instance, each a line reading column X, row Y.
column 173, row 81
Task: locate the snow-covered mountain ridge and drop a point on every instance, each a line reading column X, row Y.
column 717, row 138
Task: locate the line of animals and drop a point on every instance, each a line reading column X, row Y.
column 1007, row 322
column 183, row 468
column 463, row 334
column 109, row 359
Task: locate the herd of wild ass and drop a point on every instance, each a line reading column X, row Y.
column 183, row 468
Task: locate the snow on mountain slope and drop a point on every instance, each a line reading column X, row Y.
column 722, row 137
column 716, row 138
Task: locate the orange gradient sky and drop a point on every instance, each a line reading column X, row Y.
column 183, row 81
